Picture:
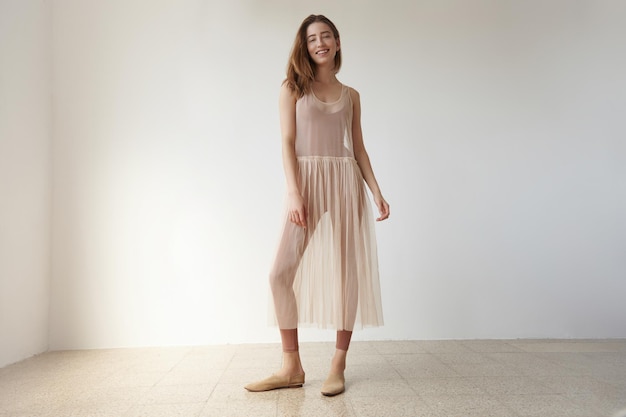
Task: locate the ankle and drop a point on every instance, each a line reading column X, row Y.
column 338, row 363
column 336, row 369
column 291, row 363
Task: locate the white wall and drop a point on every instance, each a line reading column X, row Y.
column 24, row 178
column 495, row 130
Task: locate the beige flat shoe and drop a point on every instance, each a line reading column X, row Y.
column 334, row 384
column 276, row 382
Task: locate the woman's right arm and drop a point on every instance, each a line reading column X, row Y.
column 287, row 108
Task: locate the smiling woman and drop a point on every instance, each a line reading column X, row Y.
column 322, row 44
column 128, row 197
column 326, row 268
column 301, row 68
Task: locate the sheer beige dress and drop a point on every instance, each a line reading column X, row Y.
column 327, row 274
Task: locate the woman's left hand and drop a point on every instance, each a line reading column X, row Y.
column 383, row 208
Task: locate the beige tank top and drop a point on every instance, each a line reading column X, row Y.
column 324, row 129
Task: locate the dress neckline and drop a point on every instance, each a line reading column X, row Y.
column 329, row 102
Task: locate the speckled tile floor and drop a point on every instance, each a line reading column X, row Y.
column 482, row 378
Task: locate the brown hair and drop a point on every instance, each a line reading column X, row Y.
column 301, row 68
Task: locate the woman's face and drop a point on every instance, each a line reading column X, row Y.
column 321, row 43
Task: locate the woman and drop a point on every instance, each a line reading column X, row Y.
column 326, row 268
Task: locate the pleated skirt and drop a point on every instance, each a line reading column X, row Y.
column 332, row 265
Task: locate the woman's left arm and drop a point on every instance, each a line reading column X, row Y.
column 362, row 158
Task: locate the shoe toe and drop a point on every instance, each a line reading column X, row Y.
column 335, row 384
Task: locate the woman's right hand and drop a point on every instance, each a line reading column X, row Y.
column 297, row 210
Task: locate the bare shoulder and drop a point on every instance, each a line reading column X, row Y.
column 286, row 93
column 354, row 94
column 286, row 103
column 355, row 97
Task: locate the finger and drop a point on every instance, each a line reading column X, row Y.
column 384, row 211
column 297, row 218
column 303, row 218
